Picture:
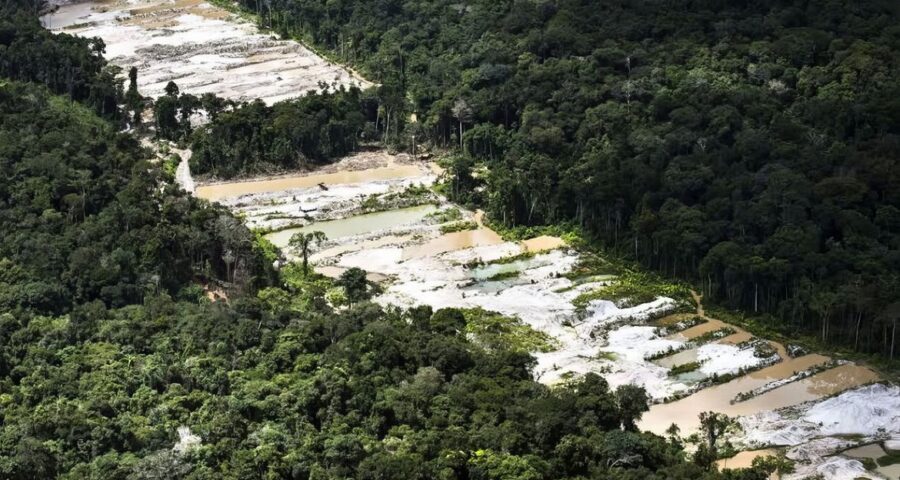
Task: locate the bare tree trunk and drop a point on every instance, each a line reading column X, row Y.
column 893, row 338
column 305, row 262
column 755, row 297
column 856, row 340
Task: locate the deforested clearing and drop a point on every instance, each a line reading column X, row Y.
column 416, row 263
column 201, row 47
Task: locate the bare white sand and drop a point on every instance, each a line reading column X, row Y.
column 202, row 48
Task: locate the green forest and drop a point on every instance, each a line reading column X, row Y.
column 748, row 147
column 301, row 133
column 115, row 365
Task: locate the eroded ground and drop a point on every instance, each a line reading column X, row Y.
column 201, row 47
column 380, row 216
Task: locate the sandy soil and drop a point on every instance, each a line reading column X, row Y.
column 203, row 48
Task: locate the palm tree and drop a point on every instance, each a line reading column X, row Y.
column 302, row 241
column 463, row 112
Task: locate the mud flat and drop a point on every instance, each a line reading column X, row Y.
column 201, row 47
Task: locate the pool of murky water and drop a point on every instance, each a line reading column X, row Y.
column 453, row 241
column 356, row 225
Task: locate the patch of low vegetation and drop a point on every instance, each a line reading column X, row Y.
column 716, row 379
column 592, row 264
column 571, row 234
column 713, row 335
column 170, row 164
column 684, row 368
column 280, row 216
column 411, row 196
column 503, row 276
column 314, row 284
column 763, row 349
column 868, row 463
column 850, row 437
column 624, row 296
column 446, row 215
column 635, row 288
column 512, row 258
column 892, row 458
column 279, row 228
column 681, row 325
column 604, row 279
column 459, row 227
column 582, row 300
column 604, row 355
column 477, row 262
column 372, row 203
column 669, row 351
column 495, row 331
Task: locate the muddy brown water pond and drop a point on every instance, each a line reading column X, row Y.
column 685, row 412
column 453, row 241
column 737, row 338
column 236, row 189
column 745, row 459
column 711, row 325
column 543, row 243
column 820, row 385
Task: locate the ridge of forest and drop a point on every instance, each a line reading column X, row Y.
column 114, row 365
column 748, row 147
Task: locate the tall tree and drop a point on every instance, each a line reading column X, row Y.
column 303, row 242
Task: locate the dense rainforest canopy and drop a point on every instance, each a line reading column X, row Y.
column 114, row 365
column 65, row 64
column 750, row 146
column 297, row 133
